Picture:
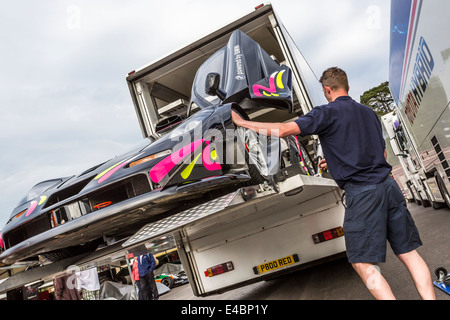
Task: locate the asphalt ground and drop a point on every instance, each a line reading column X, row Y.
column 337, row 280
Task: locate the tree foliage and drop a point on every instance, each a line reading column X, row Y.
column 379, row 99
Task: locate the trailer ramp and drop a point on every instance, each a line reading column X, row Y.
column 245, row 200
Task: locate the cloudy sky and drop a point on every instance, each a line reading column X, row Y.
column 64, row 101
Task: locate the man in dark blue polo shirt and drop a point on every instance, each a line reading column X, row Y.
column 375, row 209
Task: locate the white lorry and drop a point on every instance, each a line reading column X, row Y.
column 419, row 128
column 257, row 231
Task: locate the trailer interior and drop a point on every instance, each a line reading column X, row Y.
column 163, row 89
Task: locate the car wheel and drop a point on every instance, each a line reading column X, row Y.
column 168, row 282
column 249, row 142
column 255, row 155
column 299, row 156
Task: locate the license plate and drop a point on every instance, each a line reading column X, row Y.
column 276, row 264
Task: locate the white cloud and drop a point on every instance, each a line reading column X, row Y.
column 350, row 34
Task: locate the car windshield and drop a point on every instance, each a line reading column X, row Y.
column 39, row 189
column 191, row 123
column 143, row 144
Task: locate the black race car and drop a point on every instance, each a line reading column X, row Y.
column 191, row 161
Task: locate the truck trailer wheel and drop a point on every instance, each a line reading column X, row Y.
column 414, row 192
column 443, row 189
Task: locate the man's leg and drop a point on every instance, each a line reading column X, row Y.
column 153, row 288
column 138, row 285
column 145, row 288
column 374, row 281
column 420, row 273
column 403, row 236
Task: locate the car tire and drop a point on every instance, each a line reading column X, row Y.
column 168, row 282
column 255, row 176
column 299, row 156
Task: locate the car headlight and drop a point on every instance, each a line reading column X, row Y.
column 151, row 157
column 17, row 215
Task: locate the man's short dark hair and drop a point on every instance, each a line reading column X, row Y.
column 335, row 78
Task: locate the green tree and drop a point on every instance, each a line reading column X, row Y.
column 379, row 99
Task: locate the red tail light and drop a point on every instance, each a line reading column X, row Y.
column 328, row 235
column 219, row 269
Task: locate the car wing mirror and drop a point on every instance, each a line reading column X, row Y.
column 212, row 86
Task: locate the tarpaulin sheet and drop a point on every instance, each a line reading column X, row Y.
column 110, row 290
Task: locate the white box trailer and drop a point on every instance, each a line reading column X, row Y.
column 257, row 231
column 419, row 128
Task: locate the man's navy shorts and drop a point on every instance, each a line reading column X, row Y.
column 374, row 214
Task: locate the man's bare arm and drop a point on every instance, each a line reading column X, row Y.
column 279, row 129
